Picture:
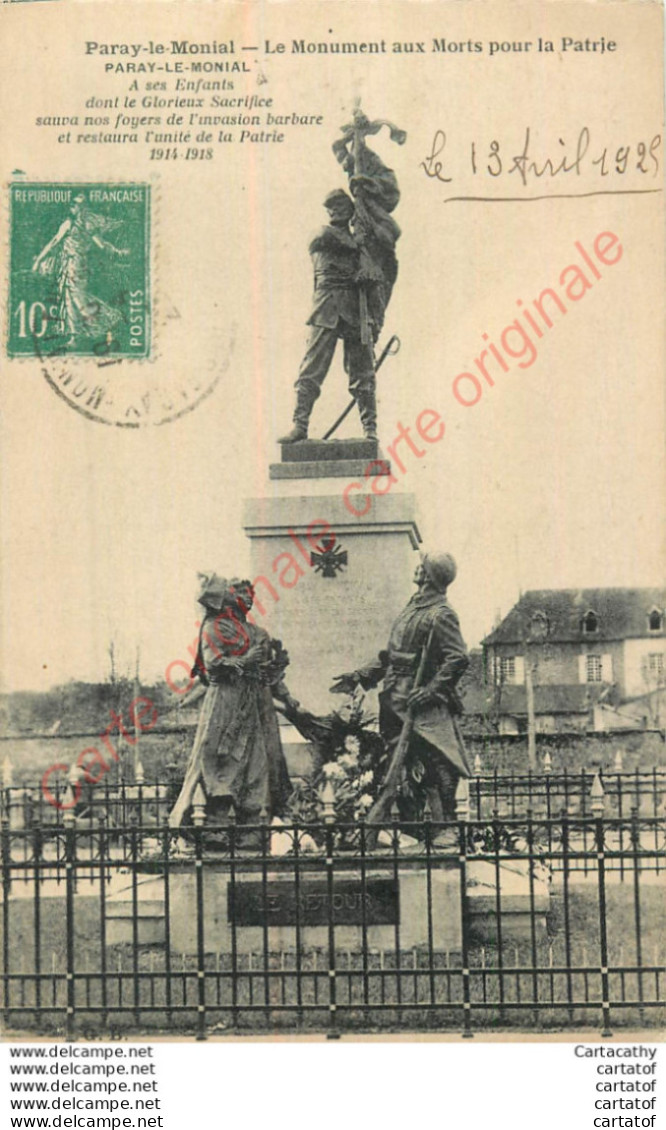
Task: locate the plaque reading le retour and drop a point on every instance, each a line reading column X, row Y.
column 251, row 904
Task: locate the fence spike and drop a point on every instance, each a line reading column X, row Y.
column 618, row 764
column 328, row 801
column 478, row 767
column 547, row 762
column 597, row 796
column 462, row 799
column 198, row 807
column 7, row 772
column 139, row 775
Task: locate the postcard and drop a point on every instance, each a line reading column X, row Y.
column 333, row 494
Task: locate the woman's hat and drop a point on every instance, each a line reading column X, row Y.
column 213, row 591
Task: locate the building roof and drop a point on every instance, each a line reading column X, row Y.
column 621, row 614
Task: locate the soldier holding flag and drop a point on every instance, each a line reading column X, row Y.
column 354, row 271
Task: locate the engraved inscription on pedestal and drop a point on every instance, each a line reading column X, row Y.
column 276, row 903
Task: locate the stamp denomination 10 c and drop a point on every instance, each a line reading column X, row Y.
column 79, row 270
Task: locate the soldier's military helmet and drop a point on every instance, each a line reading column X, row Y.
column 339, row 196
column 440, row 568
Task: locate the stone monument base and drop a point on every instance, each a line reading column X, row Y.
column 330, row 573
column 391, row 904
column 396, row 907
column 329, row 458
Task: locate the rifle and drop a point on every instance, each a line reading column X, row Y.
column 390, row 349
column 389, row 789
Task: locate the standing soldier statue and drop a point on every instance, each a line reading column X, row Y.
column 354, row 271
column 419, row 704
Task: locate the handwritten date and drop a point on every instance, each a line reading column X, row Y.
column 498, row 160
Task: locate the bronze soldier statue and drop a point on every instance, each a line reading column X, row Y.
column 354, row 270
column 424, row 661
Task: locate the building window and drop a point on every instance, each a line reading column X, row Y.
column 655, row 620
column 507, row 669
column 539, row 627
column 656, row 665
column 590, row 623
column 593, row 668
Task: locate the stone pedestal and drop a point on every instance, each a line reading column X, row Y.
column 331, row 572
column 328, row 458
column 332, row 559
column 410, row 911
column 408, row 908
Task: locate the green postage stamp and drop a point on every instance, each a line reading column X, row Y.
column 79, row 281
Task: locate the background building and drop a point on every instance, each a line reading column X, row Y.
column 596, row 659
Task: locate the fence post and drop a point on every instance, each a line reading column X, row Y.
column 37, row 930
column 567, row 913
column 635, row 851
column 534, row 955
column 498, row 913
column 69, row 820
column 597, row 798
column 328, row 802
column 198, row 818
column 231, row 897
column 462, row 816
column 6, row 889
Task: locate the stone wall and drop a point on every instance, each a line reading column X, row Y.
column 507, row 753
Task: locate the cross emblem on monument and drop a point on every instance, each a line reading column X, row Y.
column 330, row 561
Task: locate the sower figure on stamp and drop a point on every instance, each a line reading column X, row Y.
column 237, row 755
column 354, row 271
column 419, row 705
column 66, row 256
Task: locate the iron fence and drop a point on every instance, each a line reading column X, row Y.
column 548, row 794
column 118, row 804
column 534, row 921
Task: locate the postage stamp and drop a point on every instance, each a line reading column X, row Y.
column 79, row 282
